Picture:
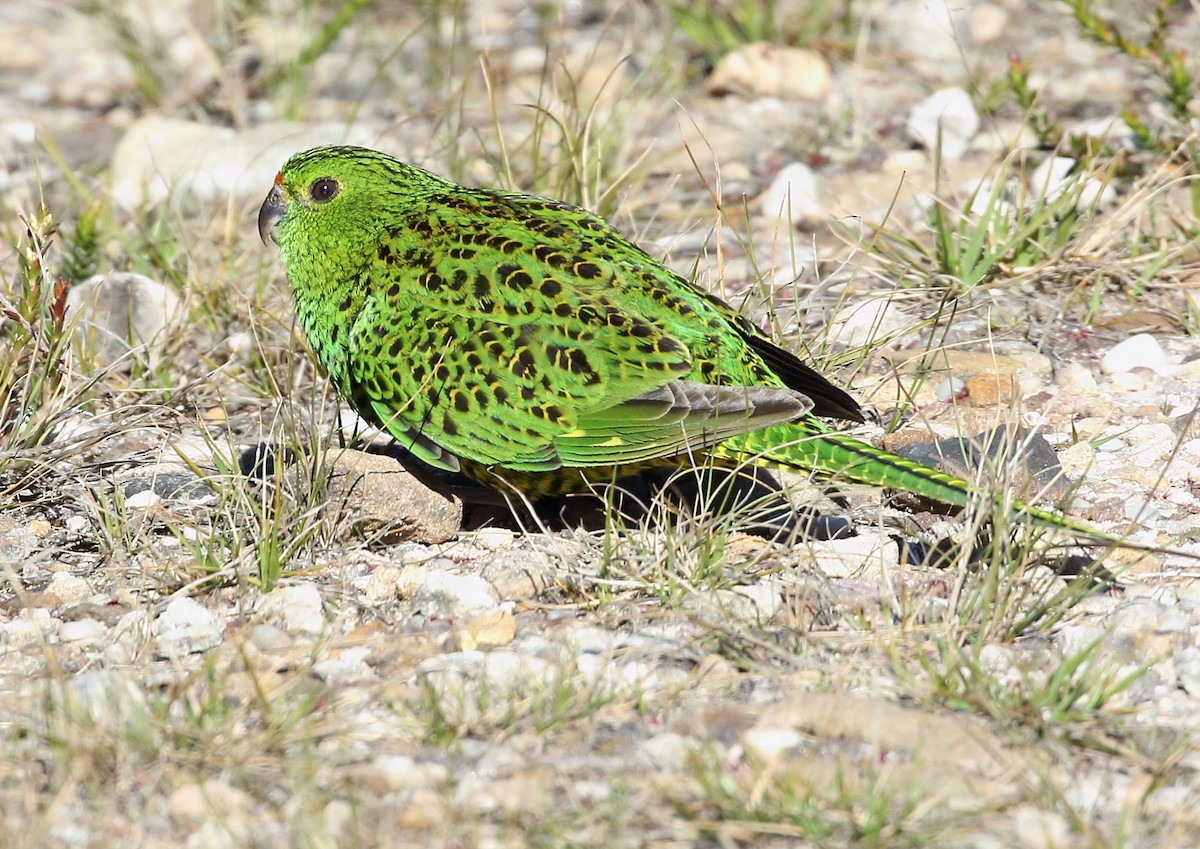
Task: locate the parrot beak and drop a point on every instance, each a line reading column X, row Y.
column 269, row 214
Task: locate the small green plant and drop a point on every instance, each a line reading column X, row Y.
column 33, row 342
column 83, row 249
column 477, row 701
column 1003, row 226
column 1169, row 64
column 1050, row 699
column 844, row 805
column 1047, row 130
column 715, row 28
column 676, row 547
column 270, row 515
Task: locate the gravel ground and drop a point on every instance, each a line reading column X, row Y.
column 220, row 627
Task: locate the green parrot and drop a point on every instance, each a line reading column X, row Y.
column 523, row 344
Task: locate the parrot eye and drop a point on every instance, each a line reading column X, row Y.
column 323, row 190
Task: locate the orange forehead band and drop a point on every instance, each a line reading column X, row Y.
column 279, row 178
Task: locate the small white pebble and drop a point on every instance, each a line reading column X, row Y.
column 766, row 744
column 1077, row 378
column 947, row 116
column 143, row 499
column 68, row 588
column 187, row 627
column 494, row 538
column 1141, row 351
column 268, row 637
column 298, row 607
column 1131, row 381
column 793, row 196
column 88, row 631
column 951, row 389
column 452, row 596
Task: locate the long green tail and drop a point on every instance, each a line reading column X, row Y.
column 811, row 446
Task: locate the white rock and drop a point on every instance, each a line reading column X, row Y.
column 298, row 606
column 472, row 684
column 1174, row 621
column 1072, row 639
column 30, row 627
column 1139, row 351
column 986, row 199
column 131, row 634
column 396, row 770
column 382, row 583
column 951, row 389
column 403, row 773
column 1054, row 176
column 584, row 639
column 1077, row 459
column 225, row 833
column 494, row 539
column 841, row 558
column 996, row 659
column 350, row 664
column 118, row 316
column 187, row 627
column 68, row 588
column 142, row 500
column 1095, row 194
column 21, row 133
column 793, row 196
column 160, row 158
column 1051, row 175
column 1077, row 378
column 507, row 671
column 452, row 596
column 949, row 110
column 192, row 803
column 266, row 637
column 337, row 818
column 766, row 744
column 762, row 69
column 355, row 428
column 84, row 631
column 1152, row 442
column 1087, row 792
column 755, row 602
column 79, row 425
column 1130, row 381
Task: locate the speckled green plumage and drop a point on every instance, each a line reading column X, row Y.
column 524, row 343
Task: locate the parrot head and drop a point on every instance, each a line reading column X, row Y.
column 313, row 187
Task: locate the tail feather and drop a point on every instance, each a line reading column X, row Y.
column 831, row 454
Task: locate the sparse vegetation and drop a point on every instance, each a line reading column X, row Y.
column 661, row 682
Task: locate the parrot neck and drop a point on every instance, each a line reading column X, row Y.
column 326, row 308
